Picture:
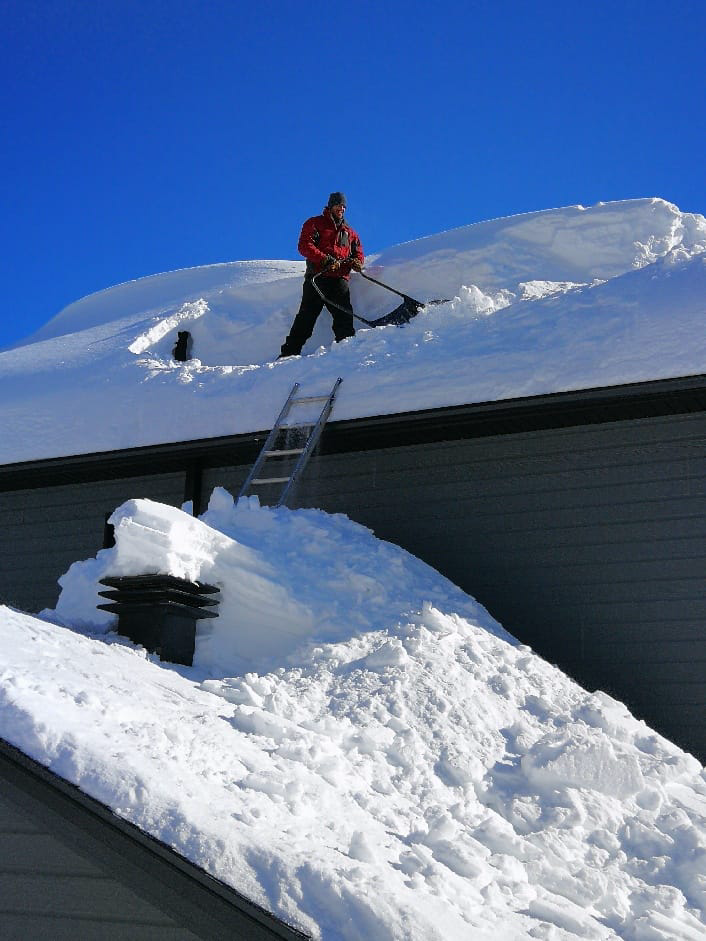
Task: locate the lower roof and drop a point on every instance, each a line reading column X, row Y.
column 206, row 907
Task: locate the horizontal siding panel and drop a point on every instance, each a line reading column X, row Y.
column 637, row 540
column 658, row 631
column 23, row 927
column 230, row 479
column 437, row 485
column 517, row 517
column 643, row 435
column 40, row 854
column 654, row 651
column 52, row 530
column 559, row 551
column 582, row 596
column 639, row 609
column 595, row 574
column 574, row 447
column 13, row 821
column 49, row 530
column 61, row 525
column 91, row 492
column 616, row 444
column 537, row 471
column 76, row 896
column 65, row 515
column 515, row 496
column 683, row 671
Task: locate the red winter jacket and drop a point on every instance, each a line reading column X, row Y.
column 321, row 236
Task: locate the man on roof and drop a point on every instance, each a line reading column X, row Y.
column 332, row 249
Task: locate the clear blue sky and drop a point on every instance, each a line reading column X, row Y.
column 141, row 136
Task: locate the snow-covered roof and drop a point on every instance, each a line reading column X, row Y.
column 544, row 302
column 359, row 747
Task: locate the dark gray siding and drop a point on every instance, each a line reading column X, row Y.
column 50, row 891
column 70, row 869
column 587, row 543
column 44, row 530
column 232, row 479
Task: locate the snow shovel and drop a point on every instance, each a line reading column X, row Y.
column 398, row 317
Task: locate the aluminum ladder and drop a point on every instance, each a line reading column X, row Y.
column 271, row 452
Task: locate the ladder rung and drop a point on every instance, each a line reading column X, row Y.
column 310, row 432
column 282, row 453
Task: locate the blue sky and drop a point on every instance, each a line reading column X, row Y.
column 142, row 136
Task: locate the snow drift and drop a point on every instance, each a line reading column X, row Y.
column 393, row 766
column 284, row 580
column 544, row 302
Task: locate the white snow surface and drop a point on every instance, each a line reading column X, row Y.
column 538, row 303
column 359, row 747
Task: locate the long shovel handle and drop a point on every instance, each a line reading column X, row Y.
column 406, row 297
column 333, row 303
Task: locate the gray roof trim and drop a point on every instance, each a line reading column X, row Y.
column 507, row 416
column 208, row 908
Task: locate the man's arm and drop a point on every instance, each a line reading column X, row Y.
column 308, row 241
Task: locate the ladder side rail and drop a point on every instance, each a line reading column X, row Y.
column 311, row 443
column 262, row 456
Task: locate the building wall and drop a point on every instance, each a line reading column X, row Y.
column 44, row 530
column 51, row 892
column 70, row 870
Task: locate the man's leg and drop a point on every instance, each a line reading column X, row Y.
column 303, row 325
column 338, row 291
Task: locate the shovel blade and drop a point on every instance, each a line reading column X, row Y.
column 403, row 314
column 400, row 315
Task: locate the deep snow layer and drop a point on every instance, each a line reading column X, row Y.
column 544, row 302
column 360, row 747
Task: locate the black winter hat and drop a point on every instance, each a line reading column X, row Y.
column 336, row 199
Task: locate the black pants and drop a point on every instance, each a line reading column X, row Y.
column 335, row 290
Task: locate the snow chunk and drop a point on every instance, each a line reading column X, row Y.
column 583, row 758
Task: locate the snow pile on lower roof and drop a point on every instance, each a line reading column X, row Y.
column 286, row 579
column 398, row 769
column 540, row 303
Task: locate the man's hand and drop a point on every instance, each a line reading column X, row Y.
column 357, row 264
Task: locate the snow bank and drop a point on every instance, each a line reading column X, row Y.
column 154, row 293
column 577, row 243
column 406, row 771
column 539, row 303
column 271, row 566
